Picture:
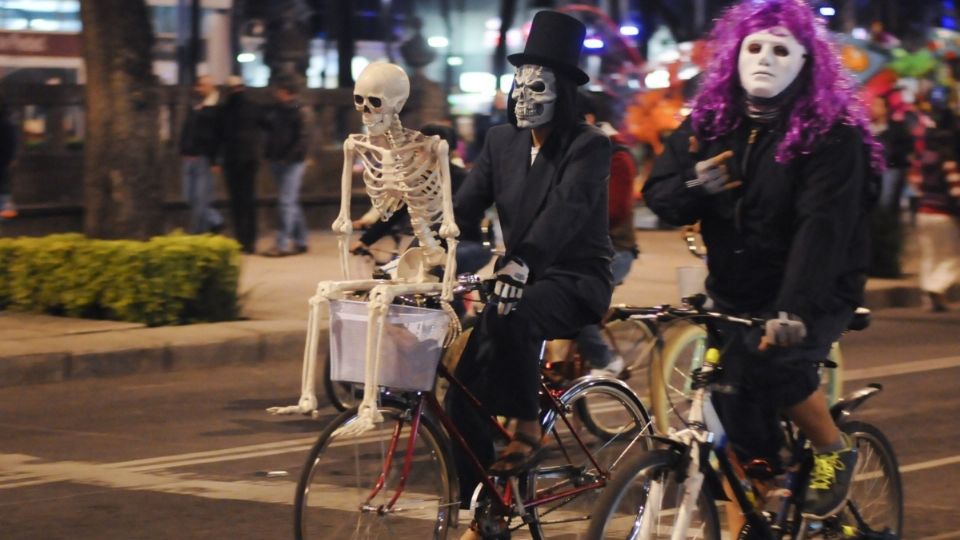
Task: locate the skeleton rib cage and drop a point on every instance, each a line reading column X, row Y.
column 408, row 174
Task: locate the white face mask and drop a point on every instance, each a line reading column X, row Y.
column 769, row 61
column 535, row 94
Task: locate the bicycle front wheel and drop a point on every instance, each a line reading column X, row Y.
column 342, row 395
column 348, row 483
column 876, row 493
column 643, row 499
column 671, row 375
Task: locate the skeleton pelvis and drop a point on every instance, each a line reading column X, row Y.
column 414, row 266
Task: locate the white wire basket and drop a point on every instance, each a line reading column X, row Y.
column 411, row 345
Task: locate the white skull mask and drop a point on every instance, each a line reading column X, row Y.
column 380, row 93
column 769, row 61
column 535, row 94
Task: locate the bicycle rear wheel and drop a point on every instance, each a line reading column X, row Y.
column 615, row 425
column 670, row 374
column 642, row 502
column 876, row 491
column 337, row 496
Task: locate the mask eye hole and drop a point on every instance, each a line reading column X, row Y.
column 753, row 48
column 375, row 101
column 538, row 86
column 358, row 99
column 780, row 50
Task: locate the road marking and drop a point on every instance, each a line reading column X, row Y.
column 943, row 536
column 904, row 368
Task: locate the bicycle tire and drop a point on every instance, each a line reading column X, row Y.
column 341, row 395
column 670, row 374
column 339, row 476
column 609, row 449
column 876, row 490
column 626, row 502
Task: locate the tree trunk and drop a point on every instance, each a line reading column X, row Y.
column 123, row 192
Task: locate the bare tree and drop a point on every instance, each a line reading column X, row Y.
column 123, row 192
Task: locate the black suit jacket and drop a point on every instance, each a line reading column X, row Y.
column 553, row 212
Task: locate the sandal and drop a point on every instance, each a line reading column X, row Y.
column 519, row 462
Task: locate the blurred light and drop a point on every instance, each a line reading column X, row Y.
column 633, row 83
column 595, row 87
column 455, row 61
column 44, row 25
column 593, row 43
column 629, row 30
column 246, row 57
column 492, row 24
column 357, row 65
column 669, row 55
column 657, row 79
column 506, row 83
column 827, row 11
column 437, row 42
column 478, row 82
column 688, row 73
column 860, row 33
column 684, row 111
column 948, row 22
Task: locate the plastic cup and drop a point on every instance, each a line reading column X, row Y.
column 690, row 280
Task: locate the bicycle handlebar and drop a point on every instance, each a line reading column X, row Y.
column 692, row 310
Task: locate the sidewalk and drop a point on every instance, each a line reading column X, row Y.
column 274, row 293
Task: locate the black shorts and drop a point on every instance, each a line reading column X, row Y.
column 762, row 384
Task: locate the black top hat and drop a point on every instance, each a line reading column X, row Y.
column 555, row 41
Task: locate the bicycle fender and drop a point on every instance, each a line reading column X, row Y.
column 845, row 406
column 578, row 385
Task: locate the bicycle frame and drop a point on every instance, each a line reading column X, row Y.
column 504, row 500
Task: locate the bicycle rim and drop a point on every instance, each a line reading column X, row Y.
column 642, row 502
column 876, row 492
column 670, row 375
column 632, row 341
column 335, row 493
column 615, row 426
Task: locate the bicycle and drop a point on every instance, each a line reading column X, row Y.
column 672, row 492
column 399, row 481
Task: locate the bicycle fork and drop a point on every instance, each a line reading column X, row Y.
column 388, row 464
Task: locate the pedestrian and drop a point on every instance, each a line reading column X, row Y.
column 288, row 125
column 938, row 216
column 595, row 109
column 199, row 145
column 546, row 173
column 8, row 153
column 240, row 139
column 777, row 163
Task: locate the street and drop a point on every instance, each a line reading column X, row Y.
column 194, row 455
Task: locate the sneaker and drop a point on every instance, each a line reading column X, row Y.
column 830, row 481
column 612, row 369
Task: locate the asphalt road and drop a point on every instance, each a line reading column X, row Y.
column 186, row 455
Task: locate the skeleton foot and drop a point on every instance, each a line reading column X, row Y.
column 307, row 405
column 368, row 416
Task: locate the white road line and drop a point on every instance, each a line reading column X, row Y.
column 904, row 368
column 943, row 536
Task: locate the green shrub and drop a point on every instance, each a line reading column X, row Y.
column 173, row 279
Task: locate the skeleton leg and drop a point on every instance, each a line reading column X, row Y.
column 326, row 290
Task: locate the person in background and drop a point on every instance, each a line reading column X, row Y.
column 937, row 180
column 8, row 153
column 595, row 111
column 240, row 137
column 199, row 144
column 288, row 125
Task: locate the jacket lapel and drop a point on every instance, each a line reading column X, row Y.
column 536, row 184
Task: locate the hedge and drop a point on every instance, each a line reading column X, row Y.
column 174, row 279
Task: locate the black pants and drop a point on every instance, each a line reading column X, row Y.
column 500, row 365
column 241, row 176
column 763, row 384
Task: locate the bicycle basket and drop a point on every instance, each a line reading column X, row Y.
column 411, row 345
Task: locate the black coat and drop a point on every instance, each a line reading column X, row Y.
column 553, row 212
column 240, row 128
column 794, row 237
column 288, row 127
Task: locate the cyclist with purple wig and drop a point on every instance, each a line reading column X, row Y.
column 777, row 163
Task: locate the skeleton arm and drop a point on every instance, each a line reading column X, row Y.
column 342, row 225
column 448, row 226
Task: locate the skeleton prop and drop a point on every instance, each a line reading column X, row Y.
column 401, row 167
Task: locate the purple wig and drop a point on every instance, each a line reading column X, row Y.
column 829, row 97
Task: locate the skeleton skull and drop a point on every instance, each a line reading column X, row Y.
column 380, row 93
column 535, row 94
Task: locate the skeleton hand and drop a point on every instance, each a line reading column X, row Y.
column 342, row 225
column 787, row 330
column 712, row 174
column 511, row 277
